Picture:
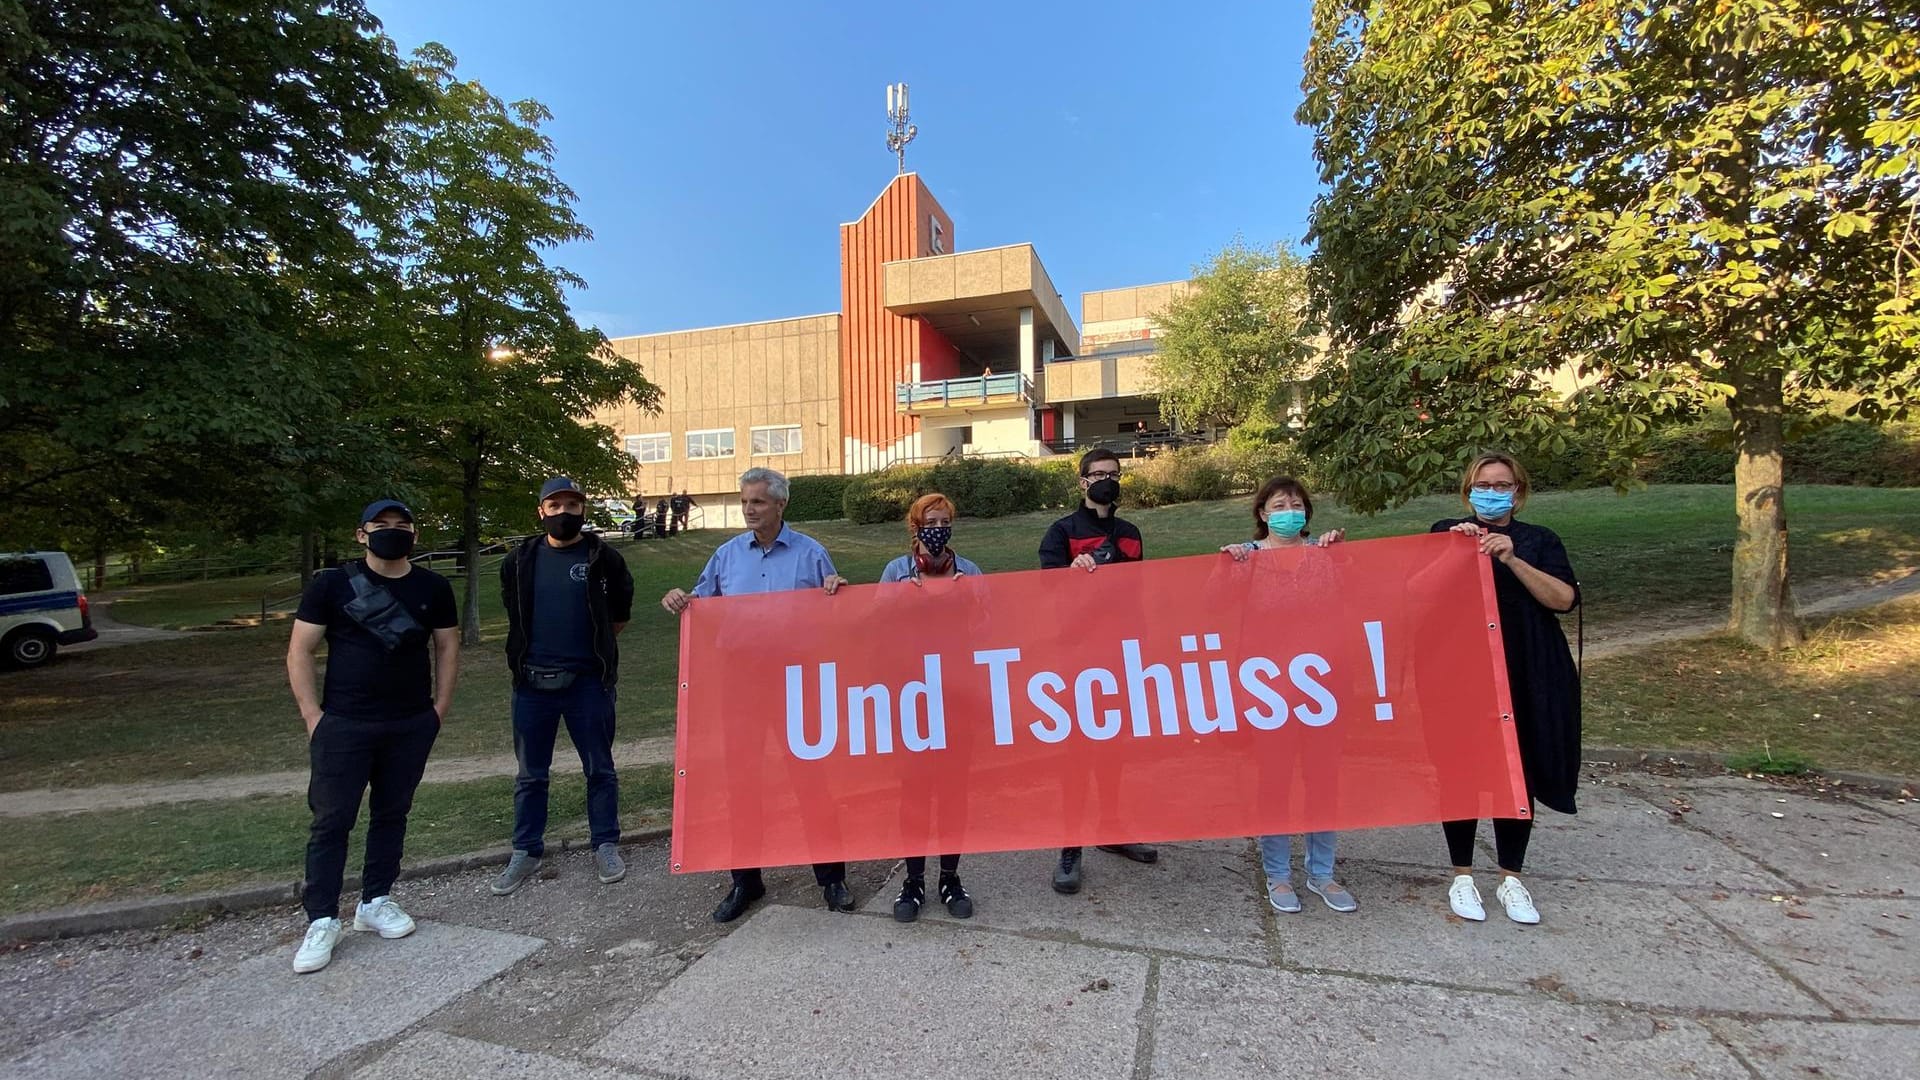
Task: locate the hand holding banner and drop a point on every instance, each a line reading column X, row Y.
column 1303, row 689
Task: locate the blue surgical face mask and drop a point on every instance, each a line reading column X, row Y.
column 1289, row 523
column 1491, row 505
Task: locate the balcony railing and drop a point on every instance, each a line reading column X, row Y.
column 962, row 393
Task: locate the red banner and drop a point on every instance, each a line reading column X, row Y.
column 1303, row 689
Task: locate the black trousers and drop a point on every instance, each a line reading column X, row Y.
column 348, row 756
column 917, row 865
column 824, row 874
column 1510, row 836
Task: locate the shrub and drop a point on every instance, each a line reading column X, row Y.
column 1850, row 452
column 817, row 498
column 980, row 487
column 1188, row 474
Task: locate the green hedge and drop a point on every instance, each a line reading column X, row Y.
column 1848, row 452
column 979, row 487
column 816, row 498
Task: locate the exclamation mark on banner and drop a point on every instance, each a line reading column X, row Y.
column 1382, row 710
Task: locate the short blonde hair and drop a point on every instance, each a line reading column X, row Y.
column 1521, row 486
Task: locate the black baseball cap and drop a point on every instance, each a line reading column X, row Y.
column 380, row 506
column 559, row 485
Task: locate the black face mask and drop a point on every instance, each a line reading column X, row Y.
column 390, row 543
column 563, row 526
column 1105, row 491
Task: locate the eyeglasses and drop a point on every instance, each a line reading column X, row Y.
column 1104, row 475
column 1504, row 487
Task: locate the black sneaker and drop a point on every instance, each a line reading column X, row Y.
column 906, row 906
column 1066, row 876
column 954, row 895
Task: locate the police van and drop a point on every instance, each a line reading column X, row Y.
column 41, row 607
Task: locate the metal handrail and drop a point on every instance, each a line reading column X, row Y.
column 975, row 390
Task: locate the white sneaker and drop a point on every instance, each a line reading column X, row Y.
column 316, row 951
column 1464, row 897
column 381, row 914
column 1518, row 900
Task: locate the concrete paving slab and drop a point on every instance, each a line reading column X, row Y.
column 1796, row 1050
column 1229, row 1022
column 1596, row 942
column 1820, row 844
column 292, row 1023
column 811, row 993
column 1862, row 955
column 1415, row 845
column 1620, row 835
column 51, row 988
column 431, row 1055
column 1200, row 898
column 609, row 947
column 1907, row 810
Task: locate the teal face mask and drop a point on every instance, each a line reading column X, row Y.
column 1287, row 522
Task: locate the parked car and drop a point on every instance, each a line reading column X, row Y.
column 42, row 607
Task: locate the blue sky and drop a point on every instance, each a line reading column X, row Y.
column 716, row 146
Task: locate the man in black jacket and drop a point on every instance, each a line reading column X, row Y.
column 568, row 595
column 1086, row 539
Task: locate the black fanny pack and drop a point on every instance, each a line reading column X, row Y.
column 548, row 678
column 378, row 613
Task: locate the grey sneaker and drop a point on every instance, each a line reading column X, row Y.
column 520, row 869
column 606, row 859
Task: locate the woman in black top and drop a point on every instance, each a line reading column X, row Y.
column 1534, row 585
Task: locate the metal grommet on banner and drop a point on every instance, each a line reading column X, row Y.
column 683, row 772
column 1490, row 626
column 1505, row 718
column 676, row 866
column 683, row 686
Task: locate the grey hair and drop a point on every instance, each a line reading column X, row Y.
column 776, row 482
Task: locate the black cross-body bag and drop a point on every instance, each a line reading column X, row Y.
column 378, row 612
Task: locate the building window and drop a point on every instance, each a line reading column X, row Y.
column 649, row 449
column 937, row 236
column 716, row 443
column 784, row 439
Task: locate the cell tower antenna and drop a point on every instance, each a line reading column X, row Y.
column 899, row 132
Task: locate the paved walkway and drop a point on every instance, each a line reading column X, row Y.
column 1694, row 927
column 659, row 750
column 47, row 802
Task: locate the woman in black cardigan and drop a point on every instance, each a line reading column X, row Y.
column 1534, row 584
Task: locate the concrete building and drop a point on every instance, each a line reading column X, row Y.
column 933, row 352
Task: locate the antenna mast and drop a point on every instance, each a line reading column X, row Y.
column 899, row 132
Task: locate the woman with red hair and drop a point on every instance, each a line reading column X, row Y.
column 930, row 555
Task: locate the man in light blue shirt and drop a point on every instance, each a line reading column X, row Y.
column 769, row 557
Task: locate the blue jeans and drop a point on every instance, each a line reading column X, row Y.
column 587, row 707
column 1276, row 857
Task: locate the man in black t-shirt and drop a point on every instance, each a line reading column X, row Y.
column 567, row 595
column 389, row 627
column 682, row 510
column 1090, row 537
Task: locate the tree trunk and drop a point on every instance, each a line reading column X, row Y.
column 1763, row 610
column 470, row 550
column 309, row 557
column 99, row 566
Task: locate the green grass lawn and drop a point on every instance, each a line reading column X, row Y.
column 215, row 704
column 1849, row 699
column 194, row 847
column 183, row 604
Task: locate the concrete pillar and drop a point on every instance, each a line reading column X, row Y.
column 1026, row 342
column 1066, row 422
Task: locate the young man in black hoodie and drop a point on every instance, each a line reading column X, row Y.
column 568, row 594
column 1086, row 539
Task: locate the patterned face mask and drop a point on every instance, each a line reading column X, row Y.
column 935, row 538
